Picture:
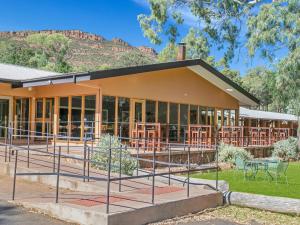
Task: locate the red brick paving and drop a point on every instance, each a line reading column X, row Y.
column 89, row 202
column 160, row 190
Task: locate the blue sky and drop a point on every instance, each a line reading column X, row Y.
column 109, row 18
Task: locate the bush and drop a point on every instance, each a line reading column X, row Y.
column 286, row 149
column 228, row 153
column 101, row 156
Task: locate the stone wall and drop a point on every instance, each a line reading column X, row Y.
column 196, row 157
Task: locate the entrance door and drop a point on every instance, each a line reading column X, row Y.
column 4, row 114
column 138, row 112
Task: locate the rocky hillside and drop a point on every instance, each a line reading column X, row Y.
column 87, row 51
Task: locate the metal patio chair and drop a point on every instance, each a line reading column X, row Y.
column 243, row 165
column 277, row 170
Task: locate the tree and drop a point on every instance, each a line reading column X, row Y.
column 51, row 48
column 132, row 58
column 260, row 82
column 233, row 75
column 274, row 27
column 196, row 47
column 218, row 22
column 12, row 53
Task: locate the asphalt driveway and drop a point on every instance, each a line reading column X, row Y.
column 13, row 215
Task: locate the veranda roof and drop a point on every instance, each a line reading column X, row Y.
column 10, row 72
column 265, row 115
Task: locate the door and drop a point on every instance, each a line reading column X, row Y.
column 44, row 116
column 4, row 115
column 137, row 112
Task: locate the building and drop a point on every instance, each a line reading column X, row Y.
column 178, row 101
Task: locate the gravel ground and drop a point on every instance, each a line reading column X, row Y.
column 232, row 215
column 13, row 215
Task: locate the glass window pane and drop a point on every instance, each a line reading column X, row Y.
column 63, row 116
column 123, row 116
column 183, row 121
column 89, row 115
column 226, row 118
column 162, row 118
column 173, row 127
column 232, row 117
column 150, row 111
column 39, row 108
column 193, row 114
column 219, row 117
column 162, row 112
column 108, row 114
column 4, row 114
column 211, row 116
column 202, row 116
column 76, row 116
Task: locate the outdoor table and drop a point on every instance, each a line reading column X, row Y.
column 261, row 164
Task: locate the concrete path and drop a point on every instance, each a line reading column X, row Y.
column 13, row 215
column 211, row 222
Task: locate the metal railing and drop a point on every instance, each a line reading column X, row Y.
column 32, row 155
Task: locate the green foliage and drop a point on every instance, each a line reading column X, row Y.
column 101, row 156
column 50, row 51
column 217, row 22
column 233, row 75
column 260, row 82
column 13, row 53
column 228, row 153
column 274, row 27
column 132, row 58
column 286, row 149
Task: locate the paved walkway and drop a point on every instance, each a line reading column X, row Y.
column 13, row 215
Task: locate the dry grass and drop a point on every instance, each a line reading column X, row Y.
column 235, row 214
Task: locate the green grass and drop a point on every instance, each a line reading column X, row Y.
column 260, row 185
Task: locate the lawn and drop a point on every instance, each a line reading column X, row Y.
column 260, row 185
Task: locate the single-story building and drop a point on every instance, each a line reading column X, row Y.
column 163, row 101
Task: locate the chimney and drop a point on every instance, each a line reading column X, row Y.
column 181, row 51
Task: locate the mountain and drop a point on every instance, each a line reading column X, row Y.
column 88, row 51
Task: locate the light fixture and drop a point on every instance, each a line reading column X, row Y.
column 30, row 89
column 229, row 89
column 185, row 94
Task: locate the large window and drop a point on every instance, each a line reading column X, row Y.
column 202, row 116
column 232, row 118
column 108, row 114
column 183, row 121
column 4, row 114
column 173, row 126
column 193, row 114
column 123, row 116
column 89, row 115
column 76, row 116
column 22, row 114
column 226, row 118
column 163, row 118
column 210, row 117
column 219, row 117
column 63, row 116
column 39, row 117
column 150, row 111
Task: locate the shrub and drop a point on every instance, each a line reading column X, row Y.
column 286, row 149
column 228, row 153
column 101, row 157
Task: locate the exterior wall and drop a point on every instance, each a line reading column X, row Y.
column 180, row 85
